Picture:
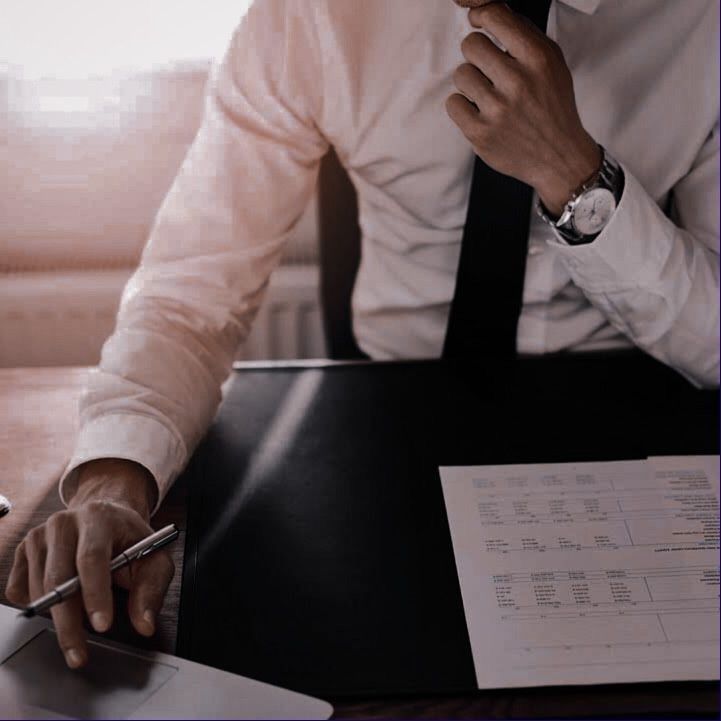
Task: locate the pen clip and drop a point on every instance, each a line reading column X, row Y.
column 158, row 544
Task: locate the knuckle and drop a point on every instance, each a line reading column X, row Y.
column 35, row 539
column 88, row 557
column 516, row 86
column 99, row 507
column 494, row 112
column 465, row 75
column 54, row 575
column 451, row 111
column 478, row 135
column 470, row 44
column 452, row 101
column 544, row 59
column 13, row 588
column 60, row 523
column 51, row 579
column 453, row 108
column 500, row 9
column 491, row 8
column 20, row 552
column 13, row 593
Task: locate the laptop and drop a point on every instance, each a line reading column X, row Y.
column 120, row 682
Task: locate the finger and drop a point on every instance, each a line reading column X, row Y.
column 482, row 52
column 94, row 551
column 472, row 83
column 149, row 583
column 36, row 550
column 516, row 33
column 17, row 591
column 463, row 113
column 67, row 616
column 68, row 621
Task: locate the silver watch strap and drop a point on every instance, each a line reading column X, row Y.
column 610, row 176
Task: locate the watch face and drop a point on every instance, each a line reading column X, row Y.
column 593, row 211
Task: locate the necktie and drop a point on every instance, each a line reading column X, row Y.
column 483, row 320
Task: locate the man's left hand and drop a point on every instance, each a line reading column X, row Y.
column 523, row 119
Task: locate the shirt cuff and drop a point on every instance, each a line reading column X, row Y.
column 131, row 437
column 629, row 251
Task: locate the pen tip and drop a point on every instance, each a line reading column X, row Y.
column 27, row 613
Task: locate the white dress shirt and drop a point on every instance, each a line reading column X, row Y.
column 371, row 77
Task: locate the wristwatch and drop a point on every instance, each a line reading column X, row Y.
column 591, row 207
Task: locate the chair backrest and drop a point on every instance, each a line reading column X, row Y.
column 339, row 236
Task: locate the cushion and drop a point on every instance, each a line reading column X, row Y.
column 85, row 164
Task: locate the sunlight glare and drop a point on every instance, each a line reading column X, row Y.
column 82, row 38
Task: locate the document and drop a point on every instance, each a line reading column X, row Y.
column 588, row 573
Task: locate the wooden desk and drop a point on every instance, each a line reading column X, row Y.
column 38, row 423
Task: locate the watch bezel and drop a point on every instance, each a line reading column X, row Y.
column 584, row 198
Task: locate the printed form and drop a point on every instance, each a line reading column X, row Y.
column 588, row 573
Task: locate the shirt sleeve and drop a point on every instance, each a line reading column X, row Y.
column 242, row 188
column 656, row 278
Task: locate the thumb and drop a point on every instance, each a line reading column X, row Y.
column 149, row 581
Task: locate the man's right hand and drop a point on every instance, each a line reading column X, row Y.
column 108, row 512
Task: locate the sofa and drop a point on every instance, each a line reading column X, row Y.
column 84, row 166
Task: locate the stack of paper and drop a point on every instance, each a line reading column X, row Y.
column 586, row 573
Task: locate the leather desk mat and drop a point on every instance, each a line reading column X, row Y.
column 318, row 553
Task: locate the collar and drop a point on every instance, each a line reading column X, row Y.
column 585, row 6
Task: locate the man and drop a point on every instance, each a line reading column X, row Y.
column 636, row 263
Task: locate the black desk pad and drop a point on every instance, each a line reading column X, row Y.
column 318, row 552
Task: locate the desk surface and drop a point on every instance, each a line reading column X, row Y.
column 320, row 556
column 37, row 432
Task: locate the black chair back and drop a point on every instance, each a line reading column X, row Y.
column 339, row 237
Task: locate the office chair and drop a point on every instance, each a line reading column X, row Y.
column 339, row 241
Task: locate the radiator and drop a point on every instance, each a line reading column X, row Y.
column 289, row 323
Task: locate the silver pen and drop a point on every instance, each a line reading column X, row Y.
column 141, row 549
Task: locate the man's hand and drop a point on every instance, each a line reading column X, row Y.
column 524, row 122
column 108, row 512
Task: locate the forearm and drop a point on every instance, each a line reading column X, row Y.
column 158, row 384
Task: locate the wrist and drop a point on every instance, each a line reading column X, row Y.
column 579, row 167
column 590, row 209
column 118, row 481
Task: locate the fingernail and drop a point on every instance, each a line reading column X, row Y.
column 73, row 658
column 149, row 618
column 100, row 621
